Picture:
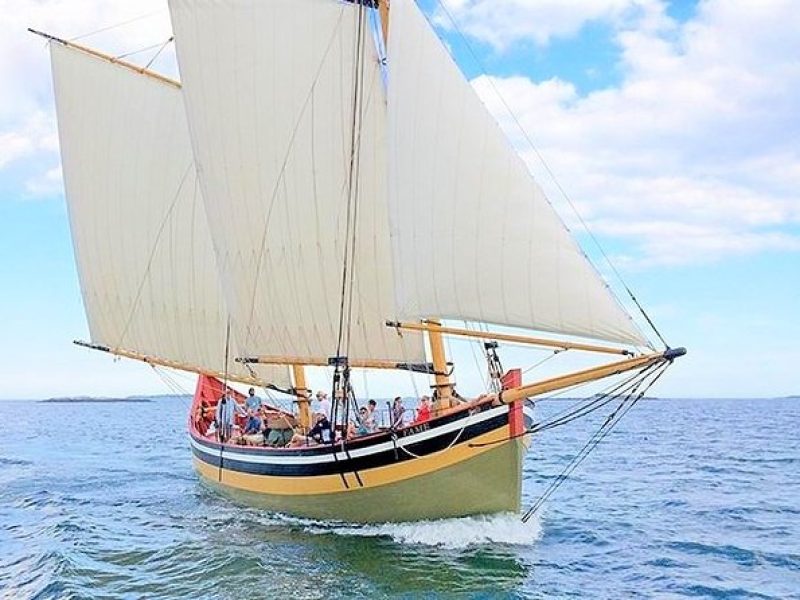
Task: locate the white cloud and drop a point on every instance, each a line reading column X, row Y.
column 501, row 24
column 27, row 117
column 694, row 155
column 45, row 185
column 13, row 145
column 36, row 133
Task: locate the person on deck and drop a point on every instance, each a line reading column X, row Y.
column 370, row 420
column 253, row 432
column 324, row 405
column 252, row 425
column 252, row 403
column 424, row 410
column 362, row 428
column 398, row 411
column 320, row 433
column 225, row 416
column 279, row 430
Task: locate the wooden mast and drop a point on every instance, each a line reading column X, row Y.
column 383, row 9
column 443, row 386
column 302, row 391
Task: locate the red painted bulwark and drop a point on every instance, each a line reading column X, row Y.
column 516, row 423
column 512, row 379
column 207, row 393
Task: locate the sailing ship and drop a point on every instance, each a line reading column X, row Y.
column 323, row 188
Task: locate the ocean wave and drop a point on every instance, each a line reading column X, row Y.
column 458, row 533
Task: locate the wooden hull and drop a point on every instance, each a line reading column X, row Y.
column 466, row 463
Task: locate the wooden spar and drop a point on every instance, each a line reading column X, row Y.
column 444, row 389
column 108, row 58
column 586, row 375
column 352, row 363
column 299, row 373
column 507, row 337
column 180, row 366
column 383, row 9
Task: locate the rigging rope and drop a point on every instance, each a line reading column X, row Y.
column 346, row 294
column 553, row 354
column 627, row 402
column 535, row 149
column 160, row 50
column 128, row 22
column 450, row 445
column 578, row 409
column 342, row 389
column 222, row 428
column 160, row 45
column 170, row 381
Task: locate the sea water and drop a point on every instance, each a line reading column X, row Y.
column 686, row 498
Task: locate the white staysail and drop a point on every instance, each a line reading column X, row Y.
column 145, row 260
column 473, row 235
column 269, row 91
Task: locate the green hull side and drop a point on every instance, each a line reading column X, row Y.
column 488, row 483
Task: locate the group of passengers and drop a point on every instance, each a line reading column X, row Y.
column 252, row 422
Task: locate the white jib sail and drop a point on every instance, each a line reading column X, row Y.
column 269, row 89
column 473, row 235
column 142, row 245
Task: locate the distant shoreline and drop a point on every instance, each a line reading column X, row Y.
column 94, row 400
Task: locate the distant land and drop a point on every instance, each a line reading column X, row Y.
column 93, row 400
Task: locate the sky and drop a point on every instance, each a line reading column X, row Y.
column 672, row 128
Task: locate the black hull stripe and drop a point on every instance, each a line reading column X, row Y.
column 370, row 461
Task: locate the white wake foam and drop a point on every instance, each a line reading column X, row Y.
column 464, row 532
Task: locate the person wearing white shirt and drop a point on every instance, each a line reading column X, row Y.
column 324, row 405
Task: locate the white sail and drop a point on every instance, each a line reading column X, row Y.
column 473, row 235
column 144, row 254
column 269, row 89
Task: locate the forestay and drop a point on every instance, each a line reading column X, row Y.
column 144, row 254
column 269, row 90
column 473, row 235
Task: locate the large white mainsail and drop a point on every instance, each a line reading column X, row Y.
column 473, row 235
column 144, row 254
column 269, row 90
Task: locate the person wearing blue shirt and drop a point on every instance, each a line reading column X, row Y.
column 252, row 403
column 253, row 425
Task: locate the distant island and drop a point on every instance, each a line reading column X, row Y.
column 91, row 400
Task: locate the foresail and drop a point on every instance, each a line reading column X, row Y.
column 473, row 235
column 144, row 254
column 269, row 91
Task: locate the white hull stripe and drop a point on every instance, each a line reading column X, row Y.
column 230, row 454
